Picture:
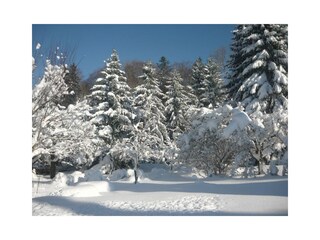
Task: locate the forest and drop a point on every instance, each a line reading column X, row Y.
column 213, row 115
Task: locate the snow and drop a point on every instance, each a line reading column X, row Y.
column 264, row 91
column 272, row 66
column 84, row 189
column 279, row 77
column 239, row 121
column 254, row 65
column 160, row 192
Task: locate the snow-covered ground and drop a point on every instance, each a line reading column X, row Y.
column 160, row 192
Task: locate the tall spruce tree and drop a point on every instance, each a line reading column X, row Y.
column 198, row 77
column 259, row 67
column 212, row 85
column 72, row 79
column 163, row 74
column 149, row 109
column 111, row 103
column 176, row 106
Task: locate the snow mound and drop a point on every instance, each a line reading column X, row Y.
column 97, row 172
column 93, row 174
column 118, row 174
column 126, row 175
column 85, row 189
column 239, row 121
column 76, row 176
column 130, row 175
column 64, row 179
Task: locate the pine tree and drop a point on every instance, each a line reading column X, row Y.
column 163, row 74
column 72, row 79
column 212, row 85
column 111, row 103
column 149, row 109
column 176, row 106
column 198, row 78
column 259, row 67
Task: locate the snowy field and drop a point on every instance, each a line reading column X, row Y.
column 160, row 192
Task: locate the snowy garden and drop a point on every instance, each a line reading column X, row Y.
column 214, row 145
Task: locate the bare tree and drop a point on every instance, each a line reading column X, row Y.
column 56, row 52
column 133, row 70
column 219, row 55
column 185, row 70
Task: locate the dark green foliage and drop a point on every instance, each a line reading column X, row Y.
column 179, row 101
column 72, row 79
column 259, row 67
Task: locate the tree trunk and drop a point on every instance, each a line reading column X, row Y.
column 135, row 176
column 259, row 167
column 52, row 169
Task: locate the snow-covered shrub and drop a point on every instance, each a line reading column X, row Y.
column 59, row 133
column 122, row 155
column 269, row 137
column 63, row 179
column 126, row 174
column 212, row 143
column 118, row 174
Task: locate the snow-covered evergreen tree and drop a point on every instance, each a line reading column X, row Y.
column 259, row 67
column 111, row 103
column 198, row 77
column 207, row 83
column 72, row 79
column 211, row 87
column 149, row 109
column 176, row 106
column 164, row 70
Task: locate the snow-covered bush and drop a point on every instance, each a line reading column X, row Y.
column 212, row 143
column 269, row 137
column 227, row 138
column 59, row 133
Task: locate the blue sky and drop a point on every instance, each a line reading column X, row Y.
column 94, row 43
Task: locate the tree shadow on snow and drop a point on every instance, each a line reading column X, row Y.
column 95, row 209
column 274, row 188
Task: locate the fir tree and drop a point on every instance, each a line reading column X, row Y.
column 149, row 109
column 198, row 78
column 176, row 106
column 259, row 67
column 111, row 103
column 212, row 85
column 163, row 74
column 72, row 79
